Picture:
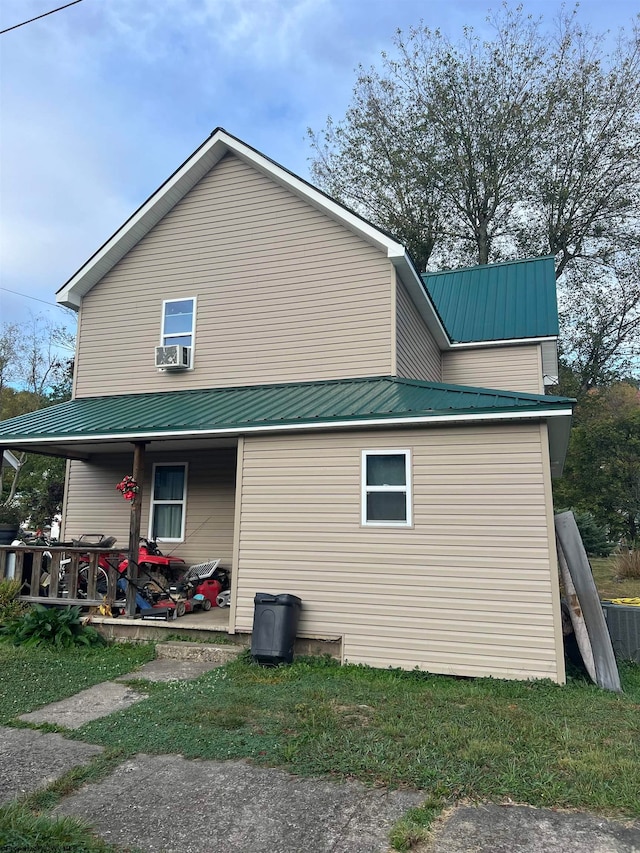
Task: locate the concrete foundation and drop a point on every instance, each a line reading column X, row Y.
column 202, row 628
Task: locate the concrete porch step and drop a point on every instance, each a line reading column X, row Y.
column 178, row 650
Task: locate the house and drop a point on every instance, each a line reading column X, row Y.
column 323, row 418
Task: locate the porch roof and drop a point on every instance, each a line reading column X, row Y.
column 89, row 425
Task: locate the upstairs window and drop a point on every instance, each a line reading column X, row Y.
column 178, row 323
column 386, row 488
column 168, row 502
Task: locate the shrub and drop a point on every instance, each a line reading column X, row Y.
column 10, row 606
column 10, row 514
column 627, row 565
column 60, row 627
column 594, row 536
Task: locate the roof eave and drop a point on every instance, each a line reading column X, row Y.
column 502, row 342
column 561, row 411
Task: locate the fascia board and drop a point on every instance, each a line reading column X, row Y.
column 502, row 342
column 419, row 420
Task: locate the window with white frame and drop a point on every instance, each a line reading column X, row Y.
column 386, row 488
column 168, row 502
column 178, row 323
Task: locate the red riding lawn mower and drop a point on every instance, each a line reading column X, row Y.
column 166, row 588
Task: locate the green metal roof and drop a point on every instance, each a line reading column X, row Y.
column 515, row 299
column 264, row 407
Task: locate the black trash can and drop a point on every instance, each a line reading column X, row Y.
column 275, row 625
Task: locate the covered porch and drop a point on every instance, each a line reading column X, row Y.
column 71, row 572
column 65, row 575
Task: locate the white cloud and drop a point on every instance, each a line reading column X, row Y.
column 103, row 100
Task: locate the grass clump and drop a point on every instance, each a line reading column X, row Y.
column 608, row 581
column 10, row 605
column 627, row 565
column 58, row 627
column 22, row 831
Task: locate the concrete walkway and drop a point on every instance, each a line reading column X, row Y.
column 521, row 829
column 167, row 803
column 171, row 804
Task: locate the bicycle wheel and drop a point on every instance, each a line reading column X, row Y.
column 102, row 580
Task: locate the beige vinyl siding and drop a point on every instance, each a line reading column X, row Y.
column 283, row 293
column 509, row 368
column 418, row 355
column 94, row 506
column 467, row 590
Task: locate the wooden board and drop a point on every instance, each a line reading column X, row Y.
column 575, row 612
column 587, row 617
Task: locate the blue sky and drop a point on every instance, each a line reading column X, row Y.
column 102, row 101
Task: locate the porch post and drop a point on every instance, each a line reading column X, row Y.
column 134, row 528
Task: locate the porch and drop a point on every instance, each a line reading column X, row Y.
column 70, row 577
column 65, row 575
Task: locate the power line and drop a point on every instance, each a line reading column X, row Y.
column 37, row 18
column 26, row 296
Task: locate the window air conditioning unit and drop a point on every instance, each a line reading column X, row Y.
column 173, row 357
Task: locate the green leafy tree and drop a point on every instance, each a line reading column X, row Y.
column 602, row 471
column 520, row 144
column 36, row 370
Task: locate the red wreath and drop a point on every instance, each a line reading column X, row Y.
column 128, row 487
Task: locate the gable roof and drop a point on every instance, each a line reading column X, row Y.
column 497, row 302
column 339, row 404
column 203, row 159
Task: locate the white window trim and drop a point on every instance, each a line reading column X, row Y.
column 163, row 342
column 406, row 489
column 153, row 502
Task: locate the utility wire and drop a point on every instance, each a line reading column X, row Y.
column 35, row 298
column 37, row 18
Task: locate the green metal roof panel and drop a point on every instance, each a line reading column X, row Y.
column 247, row 408
column 516, row 299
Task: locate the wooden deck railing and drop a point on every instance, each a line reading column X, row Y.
column 62, row 574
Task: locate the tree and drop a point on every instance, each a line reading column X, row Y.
column 522, row 144
column 35, row 371
column 41, row 489
column 602, row 471
column 600, row 322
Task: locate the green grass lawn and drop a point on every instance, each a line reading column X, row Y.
column 454, row 738
column 604, row 574
column 30, row 678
